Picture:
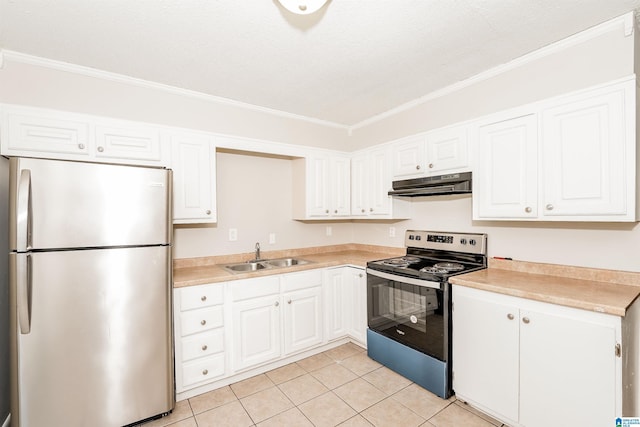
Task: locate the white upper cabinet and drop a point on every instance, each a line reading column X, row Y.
column 194, row 178
column 44, row 133
column 432, row 153
column 571, row 158
column 506, row 174
column 322, row 187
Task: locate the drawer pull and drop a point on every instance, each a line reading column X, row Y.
column 205, row 372
column 203, row 322
column 204, row 347
column 203, row 298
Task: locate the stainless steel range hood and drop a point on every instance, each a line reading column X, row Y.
column 456, row 183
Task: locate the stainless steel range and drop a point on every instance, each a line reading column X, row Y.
column 409, row 304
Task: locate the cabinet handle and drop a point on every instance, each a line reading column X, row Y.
column 204, row 347
column 205, row 372
column 208, row 212
column 203, row 322
column 549, row 207
column 370, row 209
column 528, row 209
column 326, row 211
column 336, row 211
column 289, row 302
column 362, row 210
column 525, row 320
column 100, row 149
column 418, row 167
column 81, row 146
column 203, row 298
column 510, row 316
column 277, row 303
column 430, row 165
column 360, row 275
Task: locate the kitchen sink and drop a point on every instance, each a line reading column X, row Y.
column 286, row 262
column 252, row 265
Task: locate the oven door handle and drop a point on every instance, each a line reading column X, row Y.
column 403, row 279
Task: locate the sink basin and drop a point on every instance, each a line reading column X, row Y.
column 286, row 262
column 245, row 267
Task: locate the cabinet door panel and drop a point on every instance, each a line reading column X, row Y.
column 132, row 143
column 485, row 352
column 336, row 303
column 408, row 158
column 256, row 327
column 506, row 174
column 447, row 149
column 340, row 184
column 380, row 178
column 302, row 319
column 33, row 134
column 567, row 371
column 584, row 157
column 359, row 185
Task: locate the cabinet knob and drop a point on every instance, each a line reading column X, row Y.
column 277, row 303
column 362, row 210
column 208, row 212
column 430, row 165
column 510, row 316
column 81, row 146
column 203, row 322
column 370, row 209
column 205, row 372
column 204, row 347
column 289, row 302
column 549, row 207
column 418, row 167
column 528, row 209
column 326, row 211
column 203, row 298
column 360, row 275
column 336, row 211
column 525, row 320
column 100, row 149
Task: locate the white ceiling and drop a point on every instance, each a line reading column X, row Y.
column 352, row 60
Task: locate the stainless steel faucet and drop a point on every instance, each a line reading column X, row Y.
column 257, row 251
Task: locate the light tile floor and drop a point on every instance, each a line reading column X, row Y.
column 340, row 387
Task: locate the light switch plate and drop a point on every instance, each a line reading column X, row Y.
column 329, row 231
column 392, row 232
column 272, row 238
column 233, row 234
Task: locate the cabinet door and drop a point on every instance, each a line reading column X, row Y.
column 506, row 172
column 379, row 178
column 45, row 135
column 193, row 179
column 340, row 186
column 336, row 303
column 357, row 304
column 302, row 319
column 408, row 158
column 360, row 179
column 485, row 352
column 567, row 371
column 317, row 186
column 129, row 143
column 447, row 149
column 256, row 331
column 585, row 156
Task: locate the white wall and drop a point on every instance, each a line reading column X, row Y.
column 255, row 197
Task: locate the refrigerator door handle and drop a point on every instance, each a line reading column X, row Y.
column 23, row 291
column 23, row 217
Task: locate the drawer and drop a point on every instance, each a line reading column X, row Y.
column 202, row 370
column 201, row 296
column 202, row 320
column 201, row 345
column 254, row 288
column 301, row 280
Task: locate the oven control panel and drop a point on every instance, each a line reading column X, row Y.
column 475, row 243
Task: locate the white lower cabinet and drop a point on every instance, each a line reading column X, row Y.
column 302, row 310
column 534, row 364
column 199, row 335
column 346, row 308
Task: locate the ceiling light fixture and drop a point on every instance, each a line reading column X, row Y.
column 302, row 7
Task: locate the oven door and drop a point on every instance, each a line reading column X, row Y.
column 410, row 311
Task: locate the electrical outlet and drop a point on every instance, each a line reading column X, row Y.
column 392, row 232
column 233, row 234
column 329, row 231
column 272, row 238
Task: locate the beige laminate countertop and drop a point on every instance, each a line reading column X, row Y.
column 602, row 291
column 210, row 270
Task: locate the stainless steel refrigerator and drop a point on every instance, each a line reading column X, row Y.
column 90, row 293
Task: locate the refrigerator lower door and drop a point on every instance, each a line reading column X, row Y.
column 99, row 349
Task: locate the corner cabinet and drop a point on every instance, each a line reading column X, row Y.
column 194, row 178
column 321, row 187
column 518, row 360
column 345, row 293
column 572, row 158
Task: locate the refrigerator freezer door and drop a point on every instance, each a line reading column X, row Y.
column 99, row 352
column 80, row 205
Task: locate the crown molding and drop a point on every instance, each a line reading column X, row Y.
column 24, row 58
column 627, row 21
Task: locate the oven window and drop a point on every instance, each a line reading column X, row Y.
column 410, row 314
